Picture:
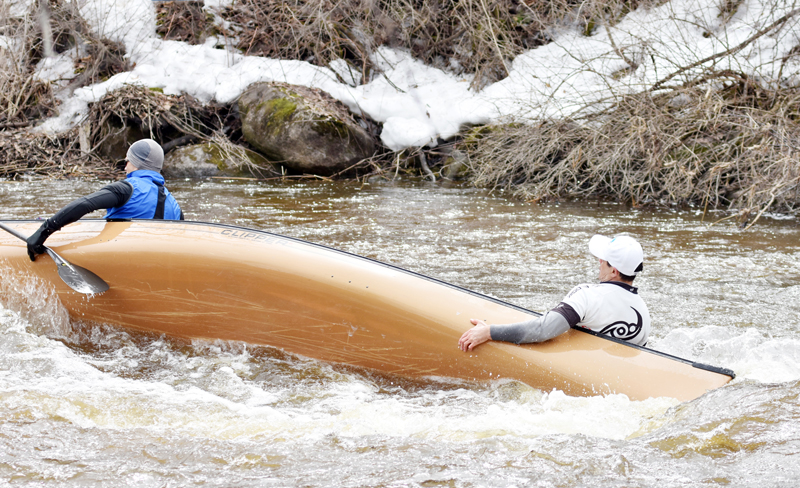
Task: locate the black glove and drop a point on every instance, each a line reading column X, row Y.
column 36, row 241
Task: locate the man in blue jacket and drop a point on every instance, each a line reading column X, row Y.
column 141, row 195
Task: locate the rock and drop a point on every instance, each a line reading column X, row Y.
column 209, row 159
column 304, row 128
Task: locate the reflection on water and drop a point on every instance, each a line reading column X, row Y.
column 93, row 405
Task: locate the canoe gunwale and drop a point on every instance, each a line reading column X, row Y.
column 694, row 364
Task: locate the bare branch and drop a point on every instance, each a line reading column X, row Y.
column 730, row 51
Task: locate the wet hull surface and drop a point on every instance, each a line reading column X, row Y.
column 209, row 281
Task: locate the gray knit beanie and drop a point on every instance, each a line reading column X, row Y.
column 146, row 154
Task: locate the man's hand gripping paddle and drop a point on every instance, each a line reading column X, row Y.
column 79, row 279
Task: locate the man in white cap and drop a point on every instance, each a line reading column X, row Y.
column 612, row 307
column 141, row 195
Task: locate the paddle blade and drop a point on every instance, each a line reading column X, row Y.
column 79, row 279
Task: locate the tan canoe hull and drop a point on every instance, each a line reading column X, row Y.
column 208, row 281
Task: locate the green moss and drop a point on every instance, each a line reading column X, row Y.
column 522, row 20
column 215, row 156
column 156, row 89
column 332, row 128
column 474, row 135
column 277, row 112
column 587, row 31
column 281, row 108
column 236, row 166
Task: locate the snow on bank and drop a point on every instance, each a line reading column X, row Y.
column 419, row 105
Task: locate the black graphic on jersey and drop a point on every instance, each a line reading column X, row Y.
column 623, row 330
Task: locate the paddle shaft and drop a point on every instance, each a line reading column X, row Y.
column 13, row 232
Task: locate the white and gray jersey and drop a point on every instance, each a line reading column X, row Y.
column 609, row 308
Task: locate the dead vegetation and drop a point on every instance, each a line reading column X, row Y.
column 97, row 147
column 25, row 153
column 717, row 139
column 734, row 148
column 184, row 21
column 473, row 37
column 179, row 119
column 49, row 28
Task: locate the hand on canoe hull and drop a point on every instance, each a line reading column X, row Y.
column 475, row 336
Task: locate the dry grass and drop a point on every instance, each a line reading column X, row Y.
column 23, row 99
column 475, row 37
column 180, row 119
column 48, row 27
column 24, row 153
column 734, row 148
column 156, row 115
column 183, row 21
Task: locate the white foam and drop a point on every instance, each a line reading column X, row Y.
column 751, row 353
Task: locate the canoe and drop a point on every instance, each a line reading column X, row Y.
column 198, row 280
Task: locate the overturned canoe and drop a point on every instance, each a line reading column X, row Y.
column 209, row 281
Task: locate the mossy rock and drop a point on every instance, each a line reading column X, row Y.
column 209, row 159
column 305, row 129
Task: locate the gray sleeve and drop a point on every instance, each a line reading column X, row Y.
column 539, row 329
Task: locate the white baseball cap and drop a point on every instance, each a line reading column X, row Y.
column 621, row 252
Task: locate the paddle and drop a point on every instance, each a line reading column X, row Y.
column 79, row 279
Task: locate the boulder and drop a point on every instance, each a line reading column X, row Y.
column 209, row 159
column 304, row 128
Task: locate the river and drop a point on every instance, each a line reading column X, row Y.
column 94, row 405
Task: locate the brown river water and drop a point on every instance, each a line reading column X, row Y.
column 93, row 405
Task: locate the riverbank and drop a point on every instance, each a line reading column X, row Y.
column 712, row 132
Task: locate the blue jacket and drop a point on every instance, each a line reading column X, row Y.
column 142, row 203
